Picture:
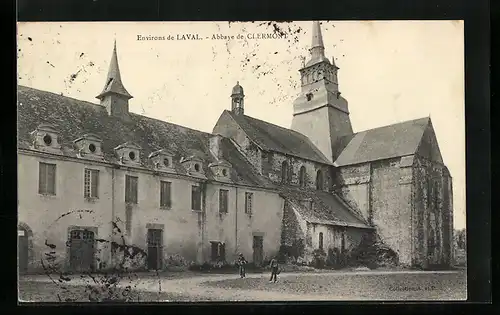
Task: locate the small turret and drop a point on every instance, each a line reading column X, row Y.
column 114, row 96
column 237, row 99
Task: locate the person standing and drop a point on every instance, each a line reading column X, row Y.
column 274, row 270
column 242, row 262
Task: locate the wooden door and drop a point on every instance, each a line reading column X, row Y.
column 155, row 256
column 258, row 250
column 22, row 237
column 82, row 245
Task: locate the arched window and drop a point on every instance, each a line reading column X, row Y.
column 320, row 241
column 319, row 180
column 284, row 172
column 302, row 176
column 342, row 242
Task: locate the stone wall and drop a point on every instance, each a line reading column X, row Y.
column 434, row 214
column 186, row 233
column 272, row 166
column 391, row 207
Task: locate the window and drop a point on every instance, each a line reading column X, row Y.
column 285, row 173
column 218, row 251
column 302, row 177
column 131, row 189
column 165, row 195
column 47, row 139
column 196, row 198
column 47, row 179
column 342, row 244
column 320, row 241
column 319, row 180
column 248, row 202
column 91, row 183
column 223, row 201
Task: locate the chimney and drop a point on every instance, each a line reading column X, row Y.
column 215, row 144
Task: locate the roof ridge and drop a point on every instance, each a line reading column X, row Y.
column 59, row 95
column 394, row 124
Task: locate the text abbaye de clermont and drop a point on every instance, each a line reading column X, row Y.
column 213, row 37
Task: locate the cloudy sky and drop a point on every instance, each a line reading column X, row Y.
column 390, row 71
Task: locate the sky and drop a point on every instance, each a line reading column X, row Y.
column 390, row 71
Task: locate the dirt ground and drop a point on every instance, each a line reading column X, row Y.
column 352, row 285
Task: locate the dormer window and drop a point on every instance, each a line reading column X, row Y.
column 46, row 137
column 162, row 160
column 221, row 169
column 193, row 165
column 89, row 145
column 128, row 153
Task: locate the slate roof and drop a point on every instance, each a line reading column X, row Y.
column 380, row 143
column 73, row 118
column 327, row 208
column 278, row 139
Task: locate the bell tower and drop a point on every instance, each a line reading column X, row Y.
column 320, row 113
column 237, row 99
column 114, row 96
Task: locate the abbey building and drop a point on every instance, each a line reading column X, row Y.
column 94, row 177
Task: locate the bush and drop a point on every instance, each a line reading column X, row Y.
column 319, row 258
column 213, row 266
column 372, row 253
column 176, row 261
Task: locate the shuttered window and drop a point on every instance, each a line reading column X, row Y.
column 131, row 189
column 91, row 183
column 196, row 198
column 223, row 194
column 165, row 195
column 47, row 179
column 248, row 202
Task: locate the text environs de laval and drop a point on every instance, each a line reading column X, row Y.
column 196, row 36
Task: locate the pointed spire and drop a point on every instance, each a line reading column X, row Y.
column 317, row 38
column 114, row 81
column 317, row 48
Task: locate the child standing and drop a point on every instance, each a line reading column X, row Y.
column 274, row 270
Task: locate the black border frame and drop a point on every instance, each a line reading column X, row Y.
column 476, row 15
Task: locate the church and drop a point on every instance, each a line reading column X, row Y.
column 96, row 180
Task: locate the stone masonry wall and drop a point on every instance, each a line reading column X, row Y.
column 272, row 166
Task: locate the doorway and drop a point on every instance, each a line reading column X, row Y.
column 258, row 249
column 23, row 248
column 82, row 250
column 155, row 249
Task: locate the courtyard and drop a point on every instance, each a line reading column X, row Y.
column 189, row 286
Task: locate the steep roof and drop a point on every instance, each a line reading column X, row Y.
column 73, row 118
column 114, row 82
column 380, row 143
column 327, row 208
column 278, row 139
